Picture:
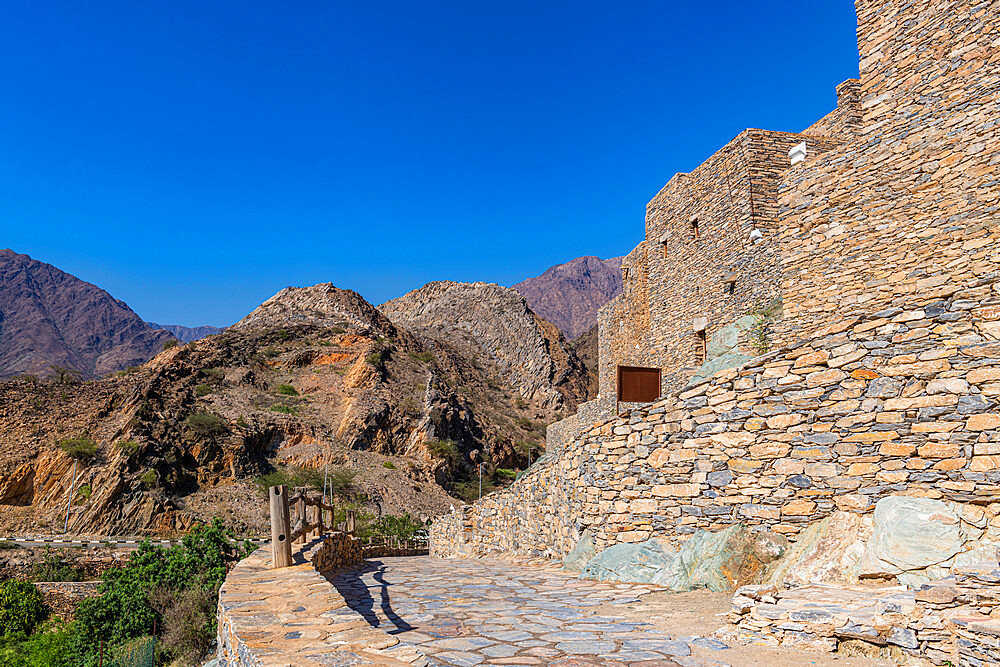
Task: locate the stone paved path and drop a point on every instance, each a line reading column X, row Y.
column 492, row 612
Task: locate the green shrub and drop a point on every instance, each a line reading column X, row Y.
column 54, row 568
column 202, row 390
column 85, row 490
column 21, row 609
column 443, row 449
column 389, row 464
column 525, row 423
column 188, row 621
column 504, row 473
column 285, row 409
column 129, row 447
column 51, row 645
column 206, row 424
column 286, row 390
column 167, row 344
column 216, row 374
column 337, row 330
column 148, row 478
column 340, row 481
column 124, row 609
column 270, row 351
column 403, row 526
column 377, row 360
column 80, row 448
column 281, row 334
column 425, row 357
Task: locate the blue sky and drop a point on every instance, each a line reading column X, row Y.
column 194, row 158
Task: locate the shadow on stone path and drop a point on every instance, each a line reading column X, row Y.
column 350, row 584
column 468, row 612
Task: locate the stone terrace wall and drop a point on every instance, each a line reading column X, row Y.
column 902, row 402
column 912, row 205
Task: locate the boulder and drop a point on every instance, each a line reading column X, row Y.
column 640, row 562
column 910, row 534
column 828, row 551
column 581, row 554
column 721, row 561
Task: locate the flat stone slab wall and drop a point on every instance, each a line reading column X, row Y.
column 294, row 616
column 63, row 596
column 903, row 402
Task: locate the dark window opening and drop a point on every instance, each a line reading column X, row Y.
column 695, row 234
column 638, row 385
column 666, row 251
column 731, row 287
column 701, row 347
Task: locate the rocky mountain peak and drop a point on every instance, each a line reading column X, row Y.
column 569, row 294
column 49, row 317
column 322, row 304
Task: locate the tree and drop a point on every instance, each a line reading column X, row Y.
column 21, row 609
column 65, row 375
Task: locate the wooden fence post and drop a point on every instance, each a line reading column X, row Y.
column 300, row 514
column 281, row 546
column 349, row 522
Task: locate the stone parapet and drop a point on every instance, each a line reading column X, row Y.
column 904, row 401
column 294, row 616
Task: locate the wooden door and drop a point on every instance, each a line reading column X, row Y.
column 638, row 385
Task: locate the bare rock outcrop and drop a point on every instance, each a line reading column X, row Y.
column 495, row 324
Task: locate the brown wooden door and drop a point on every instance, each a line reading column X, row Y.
column 638, row 385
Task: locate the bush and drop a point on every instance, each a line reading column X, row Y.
column 270, row 351
column 337, row 330
column 425, row 357
column 85, row 490
column 504, row 473
column 525, row 423
column 206, row 424
column 51, row 645
column 389, row 464
column 167, row 344
column 81, row 448
column 401, row 526
column 377, row 360
column 124, row 608
column 148, row 478
column 188, row 621
column 53, row 568
column 202, row 390
column 340, row 481
column 286, row 390
column 21, row 609
column 284, row 409
column 129, row 447
column 281, row 334
column 443, row 449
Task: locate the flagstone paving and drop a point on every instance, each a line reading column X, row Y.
column 493, row 612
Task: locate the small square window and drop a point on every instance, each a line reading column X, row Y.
column 695, row 232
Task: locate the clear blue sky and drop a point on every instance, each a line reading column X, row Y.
column 193, row 158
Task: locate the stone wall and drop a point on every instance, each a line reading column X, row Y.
column 675, row 276
column 911, row 205
column 904, row 401
column 63, row 596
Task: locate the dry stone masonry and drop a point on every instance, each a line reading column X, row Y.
column 823, row 312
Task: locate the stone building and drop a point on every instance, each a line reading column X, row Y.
column 893, row 192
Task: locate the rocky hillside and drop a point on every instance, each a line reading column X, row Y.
column 186, row 334
column 495, row 325
column 586, row 347
column 314, row 376
column 50, row 318
column 569, row 295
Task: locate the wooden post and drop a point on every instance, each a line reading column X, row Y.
column 281, row 546
column 349, row 523
column 314, row 519
column 300, row 514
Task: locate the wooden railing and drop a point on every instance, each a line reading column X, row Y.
column 294, row 517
